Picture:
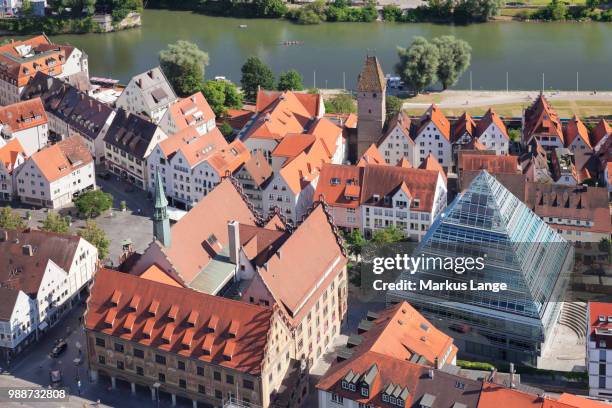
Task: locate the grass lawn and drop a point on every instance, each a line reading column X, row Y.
column 565, row 109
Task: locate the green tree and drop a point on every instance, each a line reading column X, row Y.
column 255, row 74
column 270, row 8
column 183, row 64
column 26, row 8
column 10, row 219
column 55, row 223
column 341, row 103
column 514, row 134
column 222, row 95
column 441, row 9
column 556, row 10
column 96, row 236
column 290, row 81
column 355, row 241
column 88, row 7
column 605, row 247
column 418, row 64
column 388, row 235
column 393, row 105
column 227, row 131
column 93, row 203
column 454, row 58
column 391, row 13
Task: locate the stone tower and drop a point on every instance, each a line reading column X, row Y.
column 161, row 222
column 371, row 93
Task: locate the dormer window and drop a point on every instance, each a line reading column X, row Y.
column 602, row 318
column 335, row 181
column 365, row 391
column 385, row 398
column 352, row 387
column 345, row 385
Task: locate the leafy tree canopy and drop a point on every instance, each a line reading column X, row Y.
column 290, row 81
column 255, row 74
column 341, row 103
column 10, row 219
column 55, row 223
column 418, row 64
column 96, row 236
column 183, row 64
column 93, row 203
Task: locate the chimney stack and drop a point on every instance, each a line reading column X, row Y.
column 512, row 375
column 233, row 233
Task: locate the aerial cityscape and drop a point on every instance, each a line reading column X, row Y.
column 316, row 204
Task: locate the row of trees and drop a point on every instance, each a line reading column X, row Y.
column 338, row 10
column 184, row 64
column 424, row 63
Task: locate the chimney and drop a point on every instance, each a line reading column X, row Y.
column 512, row 375
column 233, row 233
column 27, row 250
column 436, row 363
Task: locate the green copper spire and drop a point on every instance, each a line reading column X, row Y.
column 161, row 222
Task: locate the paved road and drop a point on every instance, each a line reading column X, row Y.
column 32, row 370
column 457, row 99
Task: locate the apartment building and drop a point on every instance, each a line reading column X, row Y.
column 149, row 94
column 433, row 136
column 72, row 112
column 42, row 275
column 374, row 197
column 540, row 121
column 192, row 111
column 599, row 349
column 492, row 133
column 127, row 145
column 208, row 349
column 27, row 122
column 397, row 143
column 278, row 114
column 192, row 164
column 254, row 177
column 21, row 60
column 55, row 175
column 12, row 156
column 578, row 213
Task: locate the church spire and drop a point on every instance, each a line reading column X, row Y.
column 161, row 222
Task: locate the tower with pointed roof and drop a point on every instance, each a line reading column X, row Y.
column 371, row 94
column 161, row 222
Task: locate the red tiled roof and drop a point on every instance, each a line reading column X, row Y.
column 575, row 128
column 465, row 124
column 301, row 262
column 23, row 115
column 541, row 118
column 21, row 60
column 602, row 130
column 383, row 180
column 339, row 185
column 208, row 218
column 431, row 163
column 494, row 164
column 62, row 158
column 191, row 111
column 597, row 309
column 434, row 115
column 490, row 117
column 581, row 402
column 495, row 396
column 371, row 156
column 9, row 154
column 248, row 348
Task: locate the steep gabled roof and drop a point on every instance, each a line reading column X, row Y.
column 434, row 115
column 400, row 121
column 9, row 154
column 371, row 156
column 23, row 115
column 131, row 133
column 113, row 293
column 464, row 125
column 542, row 119
column 340, row 185
column 191, row 111
column 301, row 262
column 431, row 163
column 575, row 128
column 490, row 117
column 602, row 130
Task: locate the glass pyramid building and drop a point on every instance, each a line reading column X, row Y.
column 517, row 249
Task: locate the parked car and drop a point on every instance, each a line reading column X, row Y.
column 59, row 349
column 55, row 378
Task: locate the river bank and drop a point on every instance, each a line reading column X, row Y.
column 331, row 55
column 98, row 23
